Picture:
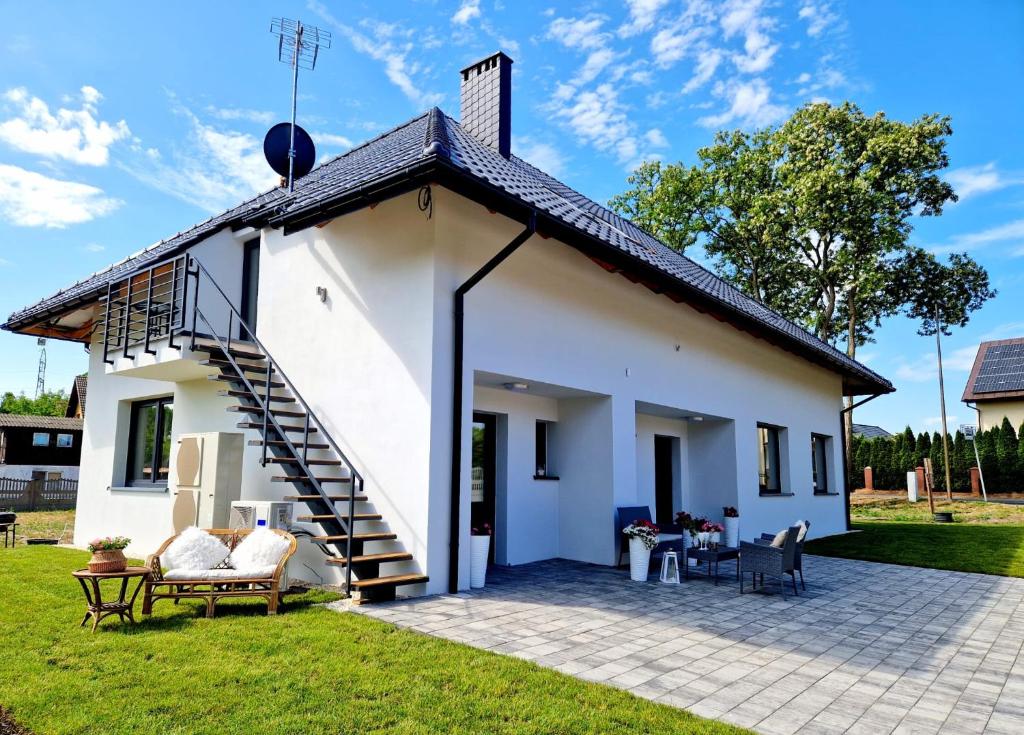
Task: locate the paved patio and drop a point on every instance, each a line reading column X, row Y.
column 868, row 648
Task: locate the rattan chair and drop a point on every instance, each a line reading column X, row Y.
column 213, row 588
column 798, row 558
column 774, row 561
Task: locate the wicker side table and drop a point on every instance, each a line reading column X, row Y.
column 95, row 607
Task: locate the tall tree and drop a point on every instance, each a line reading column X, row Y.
column 51, row 403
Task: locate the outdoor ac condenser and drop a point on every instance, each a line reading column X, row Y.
column 263, row 514
column 210, row 466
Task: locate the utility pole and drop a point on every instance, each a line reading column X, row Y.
column 942, row 404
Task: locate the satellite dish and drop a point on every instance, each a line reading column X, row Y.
column 277, row 143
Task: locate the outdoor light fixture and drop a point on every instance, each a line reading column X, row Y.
column 321, row 293
column 516, row 386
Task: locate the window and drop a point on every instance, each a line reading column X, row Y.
column 65, row 440
column 544, row 468
column 149, row 442
column 40, row 439
column 769, row 476
column 819, row 463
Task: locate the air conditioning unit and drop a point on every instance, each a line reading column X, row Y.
column 263, row 514
column 207, row 478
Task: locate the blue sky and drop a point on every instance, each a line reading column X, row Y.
column 123, row 123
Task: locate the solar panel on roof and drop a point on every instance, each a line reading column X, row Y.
column 1002, row 369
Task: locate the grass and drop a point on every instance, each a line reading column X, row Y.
column 45, row 524
column 307, row 670
column 987, row 538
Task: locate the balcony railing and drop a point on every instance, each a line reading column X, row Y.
column 147, row 305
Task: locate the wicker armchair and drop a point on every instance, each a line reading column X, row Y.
column 764, row 559
column 216, row 584
column 798, row 558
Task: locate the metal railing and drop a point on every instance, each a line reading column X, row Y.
column 144, row 306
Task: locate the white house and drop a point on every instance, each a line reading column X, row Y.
column 426, row 274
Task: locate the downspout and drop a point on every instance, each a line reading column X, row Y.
column 457, row 360
column 846, row 461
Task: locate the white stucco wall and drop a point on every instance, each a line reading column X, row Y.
column 24, row 471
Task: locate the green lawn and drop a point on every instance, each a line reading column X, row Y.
column 307, row 670
column 986, row 538
column 46, row 524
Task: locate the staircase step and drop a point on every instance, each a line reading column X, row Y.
column 396, row 580
column 331, row 498
column 270, row 427
column 236, row 379
column 247, row 394
column 293, row 460
column 275, row 411
column 223, row 364
column 375, row 536
column 284, row 445
column 331, row 517
column 250, row 352
column 305, row 478
column 388, row 556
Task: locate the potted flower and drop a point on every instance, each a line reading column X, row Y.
column 690, row 525
column 479, row 550
column 712, row 533
column 643, row 537
column 108, row 554
column 732, row 526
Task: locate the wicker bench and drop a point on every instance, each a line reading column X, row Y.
column 215, row 584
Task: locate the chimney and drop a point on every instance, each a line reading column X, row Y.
column 487, row 102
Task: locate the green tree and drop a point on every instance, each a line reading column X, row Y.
column 1006, row 448
column 958, row 458
column 51, row 403
column 924, row 448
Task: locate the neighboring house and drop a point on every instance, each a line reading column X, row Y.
column 996, row 383
column 39, row 447
column 76, row 401
column 592, row 366
column 869, row 431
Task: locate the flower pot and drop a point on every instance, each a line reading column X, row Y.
column 639, row 560
column 107, row 561
column 690, row 539
column 732, row 532
column 479, row 548
column 716, row 538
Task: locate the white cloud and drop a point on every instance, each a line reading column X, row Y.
column 260, row 117
column 540, row 154
column 580, row 33
column 467, row 11
column 924, row 368
column 707, row 64
column 596, row 62
column 330, row 140
column 673, row 43
column 390, row 46
column 73, row 135
column 642, row 16
column 750, row 105
column 656, row 138
column 972, row 240
column 599, row 119
column 745, row 17
column 982, row 179
column 935, row 422
column 218, row 169
column 30, row 199
column 819, row 17
column 93, row 247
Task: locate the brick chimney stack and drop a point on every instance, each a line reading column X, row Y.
column 487, row 102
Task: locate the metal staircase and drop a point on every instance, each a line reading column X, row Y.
column 164, row 301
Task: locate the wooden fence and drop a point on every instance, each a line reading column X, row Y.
column 22, row 495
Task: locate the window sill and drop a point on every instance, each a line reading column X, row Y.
column 546, row 477
column 776, row 495
column 137, row 489
column 827, row 495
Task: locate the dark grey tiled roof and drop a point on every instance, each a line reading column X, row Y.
column 11, row 420
column 869, row 431
column 433, row 139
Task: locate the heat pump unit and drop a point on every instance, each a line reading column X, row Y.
column 263, row 514
column 209, row 467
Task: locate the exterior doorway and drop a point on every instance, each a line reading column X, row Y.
column 250, row 286
column 664, row 479
column 482, row 507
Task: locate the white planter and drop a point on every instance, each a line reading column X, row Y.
column 732, row 532
column 716, row 537
column 639, row 560
column 691, row 541
column 479, row 547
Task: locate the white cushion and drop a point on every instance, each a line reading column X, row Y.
column 803, row 530
column 194, row 549
column 247, row 573
column 261, row 548
column 780, row 538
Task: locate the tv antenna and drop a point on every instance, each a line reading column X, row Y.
column 298, row 45
column 41, row 374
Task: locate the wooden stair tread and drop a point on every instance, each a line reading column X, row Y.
column 228, row 365
column 331, row 517
column 246, row 394
column 252, row 353
column 373, row 536
column 331, row 498
column 305, row 478
column 271, row 427
column 236, row 379
column 294, row 460
column 394, row 580
column 275, row 411
column 283, row 443
column 387, row 556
